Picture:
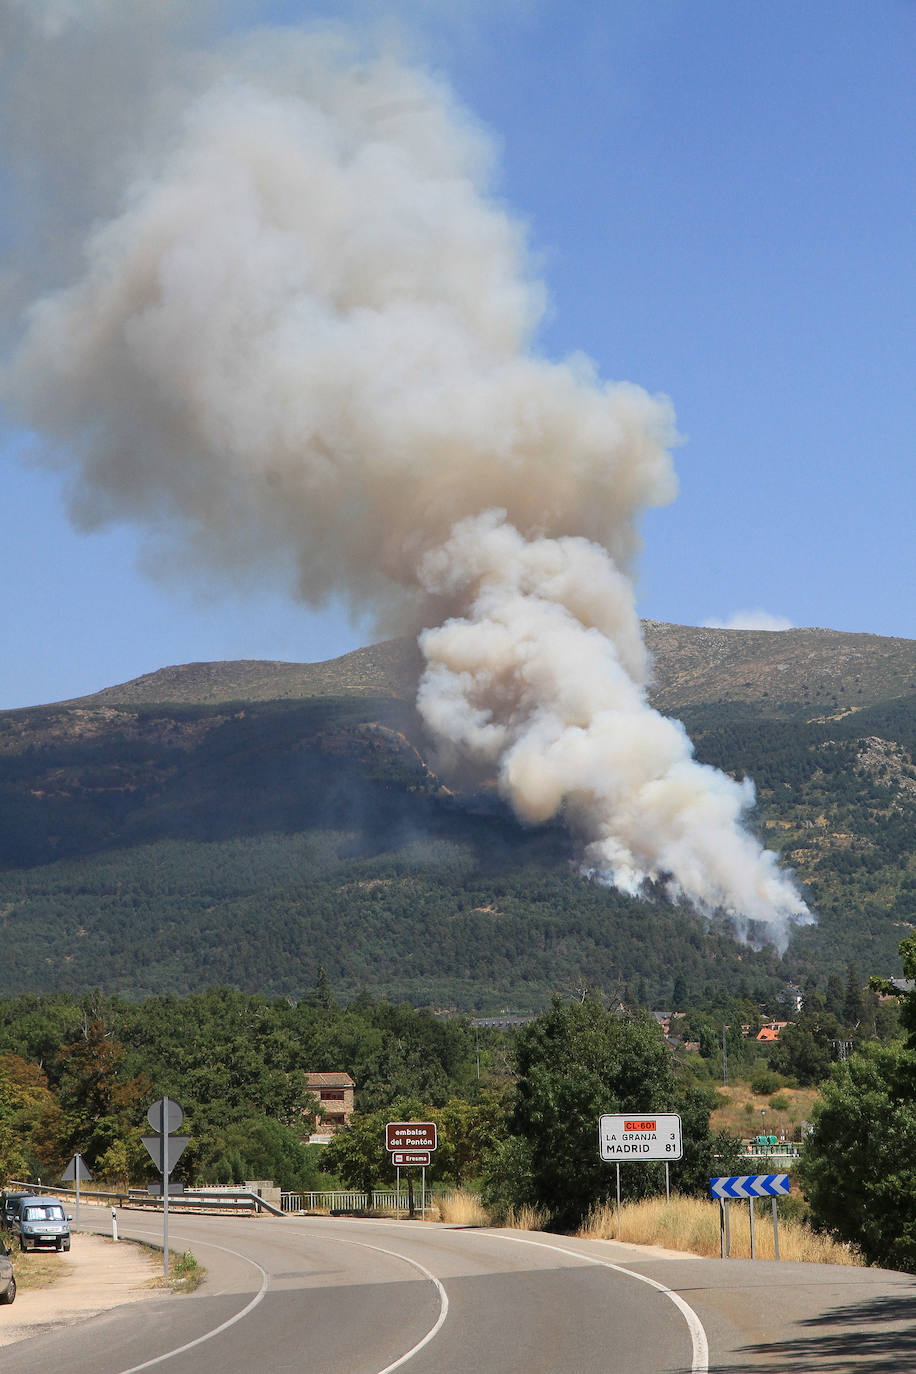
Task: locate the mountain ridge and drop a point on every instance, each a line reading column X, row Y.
column 171, row 832
column 819, row 670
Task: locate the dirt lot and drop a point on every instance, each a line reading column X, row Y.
column 94, row 1275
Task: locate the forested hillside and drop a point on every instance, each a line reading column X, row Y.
column 79, row 1074
column 837, row 798
column 172, row 834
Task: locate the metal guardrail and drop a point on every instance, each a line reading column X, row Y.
column 191, row 1200
column 90, row 1195
column 204, row 1199
column 380, row 1200
column 236, row 1201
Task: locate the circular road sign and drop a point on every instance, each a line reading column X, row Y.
column 173, row 1115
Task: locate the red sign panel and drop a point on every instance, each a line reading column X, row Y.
column 644, row 1124
column 410, row 1135
column 405, row 1158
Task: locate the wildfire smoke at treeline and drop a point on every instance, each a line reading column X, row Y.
column 286, row 319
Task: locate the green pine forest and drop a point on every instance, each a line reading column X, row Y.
column 161, row 848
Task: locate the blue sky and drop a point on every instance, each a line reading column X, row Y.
column 721, row 199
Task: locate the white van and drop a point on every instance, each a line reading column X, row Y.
column 41, row 1221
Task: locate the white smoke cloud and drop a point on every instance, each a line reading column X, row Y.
column 51, row 18
column 750, row 620
column 542, row 679
column 304, row 330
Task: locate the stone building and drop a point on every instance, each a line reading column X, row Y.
column 334, row 1092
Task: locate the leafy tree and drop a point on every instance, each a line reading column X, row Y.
column 853, row 1003
column 257, row 1148
column 574, row 1063
column 124, row 1162
column 99, row 1103
column 804, row 1050
column 31, row 1115
column 464, row 1131
column 859, row 1163
column 835, row 996
column 868, row 1114
column 357, row 1155
column 714, row 1018
column 12, row 1155
column 764, row 1082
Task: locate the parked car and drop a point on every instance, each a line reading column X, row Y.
column 9, row 1206
column 41, row 1221
column 7, row 1277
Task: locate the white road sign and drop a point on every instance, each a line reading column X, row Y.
column 641, row 1136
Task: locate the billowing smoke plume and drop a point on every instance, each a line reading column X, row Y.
column 304, row 330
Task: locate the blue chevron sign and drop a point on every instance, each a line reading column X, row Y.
column 750, row 1185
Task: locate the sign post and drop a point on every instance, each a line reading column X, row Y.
column 410, row 1144
column 750, row 1203
column 76, row 1172
column 618, row 1199
column 640, row 1136
column 725, row 1235
column 749, row 1186
column 165, row 1149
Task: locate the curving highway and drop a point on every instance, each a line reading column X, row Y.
column 344, row 1296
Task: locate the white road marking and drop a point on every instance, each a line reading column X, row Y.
column 223, row 1326
column 700, row 1345
column 363, row 1245
column 443, row 1300
column 700, row 1362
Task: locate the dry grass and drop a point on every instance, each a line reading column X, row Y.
column 39, row 1268
column 461, row 1209
column 692, row 1225
column 526, row 1218
column 740, row 1111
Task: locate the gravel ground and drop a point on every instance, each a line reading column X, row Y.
column 96, row 1274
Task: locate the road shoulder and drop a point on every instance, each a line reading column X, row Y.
column 96, row 1274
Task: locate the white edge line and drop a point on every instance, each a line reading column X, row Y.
column 443, row 1301
column 224, row 1326
column 208, row 1335
column 700, row 1362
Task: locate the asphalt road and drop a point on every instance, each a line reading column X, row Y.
column 341, row 1296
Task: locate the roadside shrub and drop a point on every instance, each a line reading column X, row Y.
column 765, row 1082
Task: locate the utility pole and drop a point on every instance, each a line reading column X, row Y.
column 724, row 1059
